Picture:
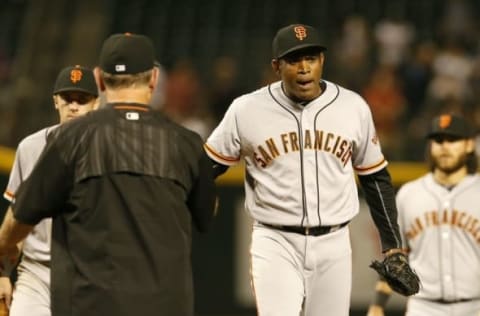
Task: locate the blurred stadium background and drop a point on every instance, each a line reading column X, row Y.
column 410, row 59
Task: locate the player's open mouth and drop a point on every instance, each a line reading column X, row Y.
column 304, row 83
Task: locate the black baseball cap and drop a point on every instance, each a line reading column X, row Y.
column 294, row 37
column 127, row 54
column 450, row 125
column 75, row 78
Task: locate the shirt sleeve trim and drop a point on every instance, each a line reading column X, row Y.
column 229, row 161
column 366, row 170
column 8, row 196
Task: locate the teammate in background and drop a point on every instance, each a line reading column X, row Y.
column 302, row 139
column 128, row 184
column 74, row 94
column 439, row 217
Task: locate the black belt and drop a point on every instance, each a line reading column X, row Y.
column 310, row 231
column 460, row 300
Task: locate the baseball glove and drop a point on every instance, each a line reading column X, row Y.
column 397, row 273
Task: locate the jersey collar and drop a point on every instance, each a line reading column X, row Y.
column 129, row 106
column 330, row 92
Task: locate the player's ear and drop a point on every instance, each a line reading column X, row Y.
column 470, row 145
column 96, row 105
column 55, row 101
column 97, row 73
column 153, row 79
column 276, row 66
column 322, row 58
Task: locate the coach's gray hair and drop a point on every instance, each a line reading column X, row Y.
column 114, row 81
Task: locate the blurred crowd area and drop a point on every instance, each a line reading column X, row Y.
column 409, row 59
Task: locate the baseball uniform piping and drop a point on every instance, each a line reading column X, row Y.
column 316, row 153
column 304, row 198
column 218, row 157
column 8, row 196
column 360, row 169
column 441, row 257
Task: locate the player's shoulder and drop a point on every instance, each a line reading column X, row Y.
column 37, row 138
column 76, row 130
column 347, row 96
column 472, row 181
column 177, row 131
column 185, row 133
column 255, row 96
column 342, row 91
column 86, row 122
column 414, row 185
column 475, row 177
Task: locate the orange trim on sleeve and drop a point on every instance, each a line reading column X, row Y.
column 370, row 167
column 227, row 160
column 8, row 195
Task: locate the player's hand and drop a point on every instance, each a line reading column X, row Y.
column 375, row 310
column 6, row 290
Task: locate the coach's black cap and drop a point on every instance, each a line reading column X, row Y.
column 450, row 125
column 295, row 37
column 127, row 54
column 75, row 78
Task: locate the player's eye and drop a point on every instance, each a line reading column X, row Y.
column 445, row 138
column 81, row 99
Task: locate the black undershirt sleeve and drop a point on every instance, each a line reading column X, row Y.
column 380, row 197
column 202, row 199
column 218, row 169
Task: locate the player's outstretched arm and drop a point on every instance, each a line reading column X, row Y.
column 394, row 268
column 380, row 197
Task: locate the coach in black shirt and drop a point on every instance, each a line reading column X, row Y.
column 123, row 186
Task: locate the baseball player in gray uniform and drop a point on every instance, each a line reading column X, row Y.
column 439, row 217
column 302, row 140
column 75, row 94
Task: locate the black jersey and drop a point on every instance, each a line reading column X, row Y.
column 123, row 185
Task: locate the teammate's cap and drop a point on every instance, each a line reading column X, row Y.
column 450, row 125
column 75, row 78
column 127, row 54
column 295, row 37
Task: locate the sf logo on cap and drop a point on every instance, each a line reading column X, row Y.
column 300, row 32
column 445, row 121
column 76, row 75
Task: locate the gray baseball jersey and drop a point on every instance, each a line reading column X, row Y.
column 37, row 244
column 442, row 229
column 299, row 160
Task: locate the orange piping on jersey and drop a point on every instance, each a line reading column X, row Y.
column 371, row 167
column 130, row 107
column 228, row 160
column 9, row 195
